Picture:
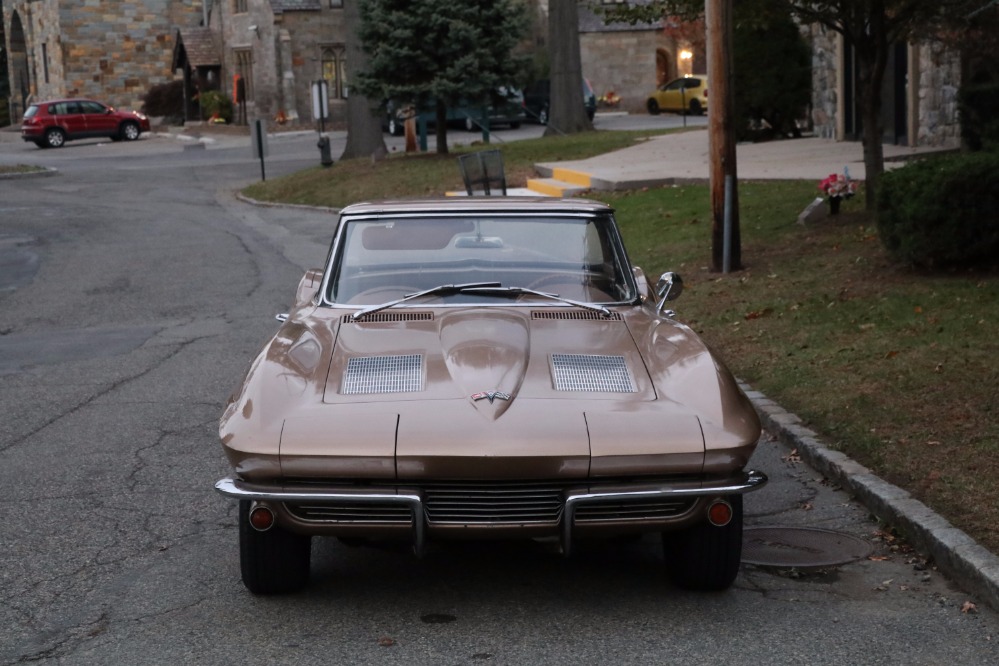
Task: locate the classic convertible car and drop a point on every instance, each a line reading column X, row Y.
column 484, row 368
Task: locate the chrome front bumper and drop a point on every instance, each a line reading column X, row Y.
column 739, row 484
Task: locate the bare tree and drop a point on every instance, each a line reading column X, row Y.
column 364, row 127
column 567, row 113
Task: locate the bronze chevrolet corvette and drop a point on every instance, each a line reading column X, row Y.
column 482, row 368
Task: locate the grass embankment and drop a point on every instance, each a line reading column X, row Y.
column 19, row 168
column 894, row 367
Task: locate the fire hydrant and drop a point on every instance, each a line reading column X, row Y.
column 325, row 157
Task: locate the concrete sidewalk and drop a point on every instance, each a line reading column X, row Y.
column 682, row 157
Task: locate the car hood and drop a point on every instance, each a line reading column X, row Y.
column 488, row 357
column 488, row 392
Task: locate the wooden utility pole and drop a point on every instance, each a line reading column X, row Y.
column 726, row 253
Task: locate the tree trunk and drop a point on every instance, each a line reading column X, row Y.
column 567, row 113
column 364, row 126
column 872, row 59
column 441, row 111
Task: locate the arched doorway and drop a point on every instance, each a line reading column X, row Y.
column 17, row 66
column 665, row 66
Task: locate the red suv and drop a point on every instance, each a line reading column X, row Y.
column 51, row 124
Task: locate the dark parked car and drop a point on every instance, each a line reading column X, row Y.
column 505, row 108
column 486, row 368
column 51, row 124
column 537, row 100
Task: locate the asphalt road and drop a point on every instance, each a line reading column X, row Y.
column 134, row 291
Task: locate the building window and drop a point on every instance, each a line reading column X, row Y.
column 239, row 6
column 45, row 60
column 334, row 64
column 336, row 4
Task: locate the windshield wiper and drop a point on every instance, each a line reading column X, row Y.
column 518, row 291
column 440, row 290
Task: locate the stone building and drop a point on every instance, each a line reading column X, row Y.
column 919, row 103
column 278, row 48
column 631, row 60
column 110, row 50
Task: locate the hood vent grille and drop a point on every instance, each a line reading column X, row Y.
column 383, row 374
column 584, row 372
column 388, row 317
column 575, row 315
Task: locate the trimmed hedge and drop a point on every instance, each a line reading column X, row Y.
column 165, row 99
column 942, row 212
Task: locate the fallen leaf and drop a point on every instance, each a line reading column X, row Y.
column 891, row 354
column 385, row 641
column 968, row 607
column 792, row 457
column 918, row 310
column 807, row 506
column 879, row 558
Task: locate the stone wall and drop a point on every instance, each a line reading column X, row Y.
column 939, row 82
column 110, row 50
column 937, row 75
column 623, row 62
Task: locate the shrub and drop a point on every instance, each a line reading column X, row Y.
column 215, row 103
column 165, row 99
column 942, row 211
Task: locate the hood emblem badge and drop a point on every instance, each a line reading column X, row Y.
column 490, row 396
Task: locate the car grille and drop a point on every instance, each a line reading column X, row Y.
column 493, row 503
column 489, row 503
column 353, row 512
column 597, row 512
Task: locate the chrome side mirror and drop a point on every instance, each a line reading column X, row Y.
column 669, row 288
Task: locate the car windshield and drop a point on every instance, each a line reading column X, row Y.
column 576, row 258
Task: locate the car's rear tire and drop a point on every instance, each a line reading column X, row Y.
column 704, row 557
column 653, row 107
column 55, row 137
column 695, row 108
column 129, row 131
column 272, row 562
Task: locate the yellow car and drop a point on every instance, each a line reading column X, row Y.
column 686, row 95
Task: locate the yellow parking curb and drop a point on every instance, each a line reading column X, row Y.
column 580, row 178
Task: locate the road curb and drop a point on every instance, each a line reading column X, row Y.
column 957, row 555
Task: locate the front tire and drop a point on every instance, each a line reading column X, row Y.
column 129, row 131
column 272, row 562
column 653, row 107
column 704, row 557
column 695, row 108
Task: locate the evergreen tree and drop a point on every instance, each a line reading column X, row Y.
column 438, row 53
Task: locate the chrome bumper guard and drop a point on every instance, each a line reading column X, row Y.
column 743, row 483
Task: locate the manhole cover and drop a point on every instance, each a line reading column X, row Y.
column 800, row 547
